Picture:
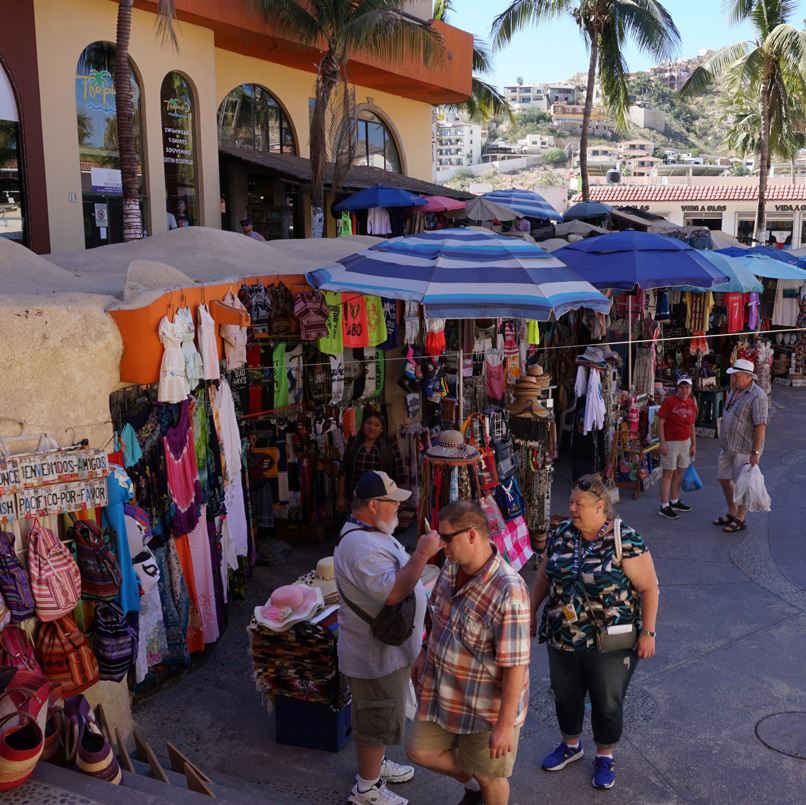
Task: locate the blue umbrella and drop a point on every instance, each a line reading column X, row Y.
column 742, row 279
column 586, row 209
column 626, row 259
column 763, row 266
column 530, row 204
column 464, row 274
column 379, row 196
column 762, row 251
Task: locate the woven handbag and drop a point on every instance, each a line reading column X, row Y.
column 14, row 584
column 65, row 655
column 476, row 433
column 100, row 572
column 16, row 650
column 114, row 641
column 21, row 747
column 55, row 577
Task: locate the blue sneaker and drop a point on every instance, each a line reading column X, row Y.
column 603, row 776
column 562, row 756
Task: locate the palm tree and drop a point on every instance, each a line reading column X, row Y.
column 768, row 69
column 166, row 12
column 485, row 101
column 605, row 26
column 340, row 29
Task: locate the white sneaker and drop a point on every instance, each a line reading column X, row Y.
column 392, row 772
column 379, row 794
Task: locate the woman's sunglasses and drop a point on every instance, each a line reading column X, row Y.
column 587, row 486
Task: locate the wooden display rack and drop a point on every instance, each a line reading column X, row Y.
column 622, row 449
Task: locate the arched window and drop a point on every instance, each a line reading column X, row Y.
column 96, row 120
column 376, row 145
column 251, row 116
column 179, row 150
column 12, row 201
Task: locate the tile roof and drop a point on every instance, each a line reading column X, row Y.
column 617, row 194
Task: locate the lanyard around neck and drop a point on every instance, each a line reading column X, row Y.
column 580, row 554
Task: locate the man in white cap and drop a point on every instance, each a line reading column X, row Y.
column 373, row 570
column 741, row 437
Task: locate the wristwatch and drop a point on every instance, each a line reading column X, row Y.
column 648, row 633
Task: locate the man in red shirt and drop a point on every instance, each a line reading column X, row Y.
column 677, row 446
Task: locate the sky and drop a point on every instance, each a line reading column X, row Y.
column 555, row 50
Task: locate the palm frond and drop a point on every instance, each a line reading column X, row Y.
column 613, row 75
column 482, row 58
column 441, row 10
column 385, row 34
column 166, row 22
column 714, row 68
column 291, row 19
column 745, row 74
column 738, row 10
column 650, row 24
column 485, row 103
column 767, row 15
column 787, row 44
column 522, row 13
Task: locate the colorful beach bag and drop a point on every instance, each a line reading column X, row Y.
column 55, row 577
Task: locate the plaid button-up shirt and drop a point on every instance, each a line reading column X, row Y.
column 476, row 632
column 743, row 411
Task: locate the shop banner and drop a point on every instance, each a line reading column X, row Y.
column 32, row 470
column 61, row 498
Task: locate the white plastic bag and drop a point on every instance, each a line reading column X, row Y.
column 749, row 490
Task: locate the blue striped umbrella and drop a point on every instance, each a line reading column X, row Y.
column 531, row 204
column 742, row 280
column 464, row 274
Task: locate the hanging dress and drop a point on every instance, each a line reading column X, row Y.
column 120, row 490
column 208, row 344
column 194, row 368
column 183, row 474
column 494, row 373
column 229, row 438
column 173, row 386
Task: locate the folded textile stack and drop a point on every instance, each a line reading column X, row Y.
column 300, row 663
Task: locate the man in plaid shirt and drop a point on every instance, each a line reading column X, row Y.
column 473, row 674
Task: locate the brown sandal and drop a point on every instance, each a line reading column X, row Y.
column 736, row 525
column 725, row 519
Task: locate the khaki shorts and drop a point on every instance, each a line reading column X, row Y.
column 729, row 465
column 678, row 455
column 378, row 714
column 474, row 748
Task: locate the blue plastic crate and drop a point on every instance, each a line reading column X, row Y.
column 310, row 724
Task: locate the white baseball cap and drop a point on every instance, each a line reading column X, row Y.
column 684, row 379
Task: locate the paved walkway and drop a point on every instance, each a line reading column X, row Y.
column 700, row 717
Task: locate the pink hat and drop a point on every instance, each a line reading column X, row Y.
column 288, row 605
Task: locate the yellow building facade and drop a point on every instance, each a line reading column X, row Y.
column 221, row 47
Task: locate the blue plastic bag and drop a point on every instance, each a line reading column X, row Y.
column 691, row 480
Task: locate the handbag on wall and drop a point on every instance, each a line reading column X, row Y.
column 492, row 514
column 14, row 584
column 66, row 656
column 477, row 434
column 509, row 498
column 55, row 577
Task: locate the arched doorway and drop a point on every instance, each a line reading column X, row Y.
column 252, row 119
column 12, row 191
column 99, row 158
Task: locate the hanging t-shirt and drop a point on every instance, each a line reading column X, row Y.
column 532, row 332
column 311, row 310
column 332, row 343
column 354, row 320
column 280, row 377
column 337, row 378
column 293, row 362
column 752, row 311
column 392, row 327
column 734, row 304
column 376, row 321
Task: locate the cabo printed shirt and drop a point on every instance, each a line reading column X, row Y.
column 476, row 632
column 609, row 592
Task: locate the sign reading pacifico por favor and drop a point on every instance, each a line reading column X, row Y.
column 38, row 484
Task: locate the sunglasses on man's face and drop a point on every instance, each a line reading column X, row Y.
column 449, row 537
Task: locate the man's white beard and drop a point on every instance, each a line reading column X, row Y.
column 388, row 527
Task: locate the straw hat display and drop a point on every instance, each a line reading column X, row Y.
column 451, row 445
column 592, row 356
column 528, row 391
